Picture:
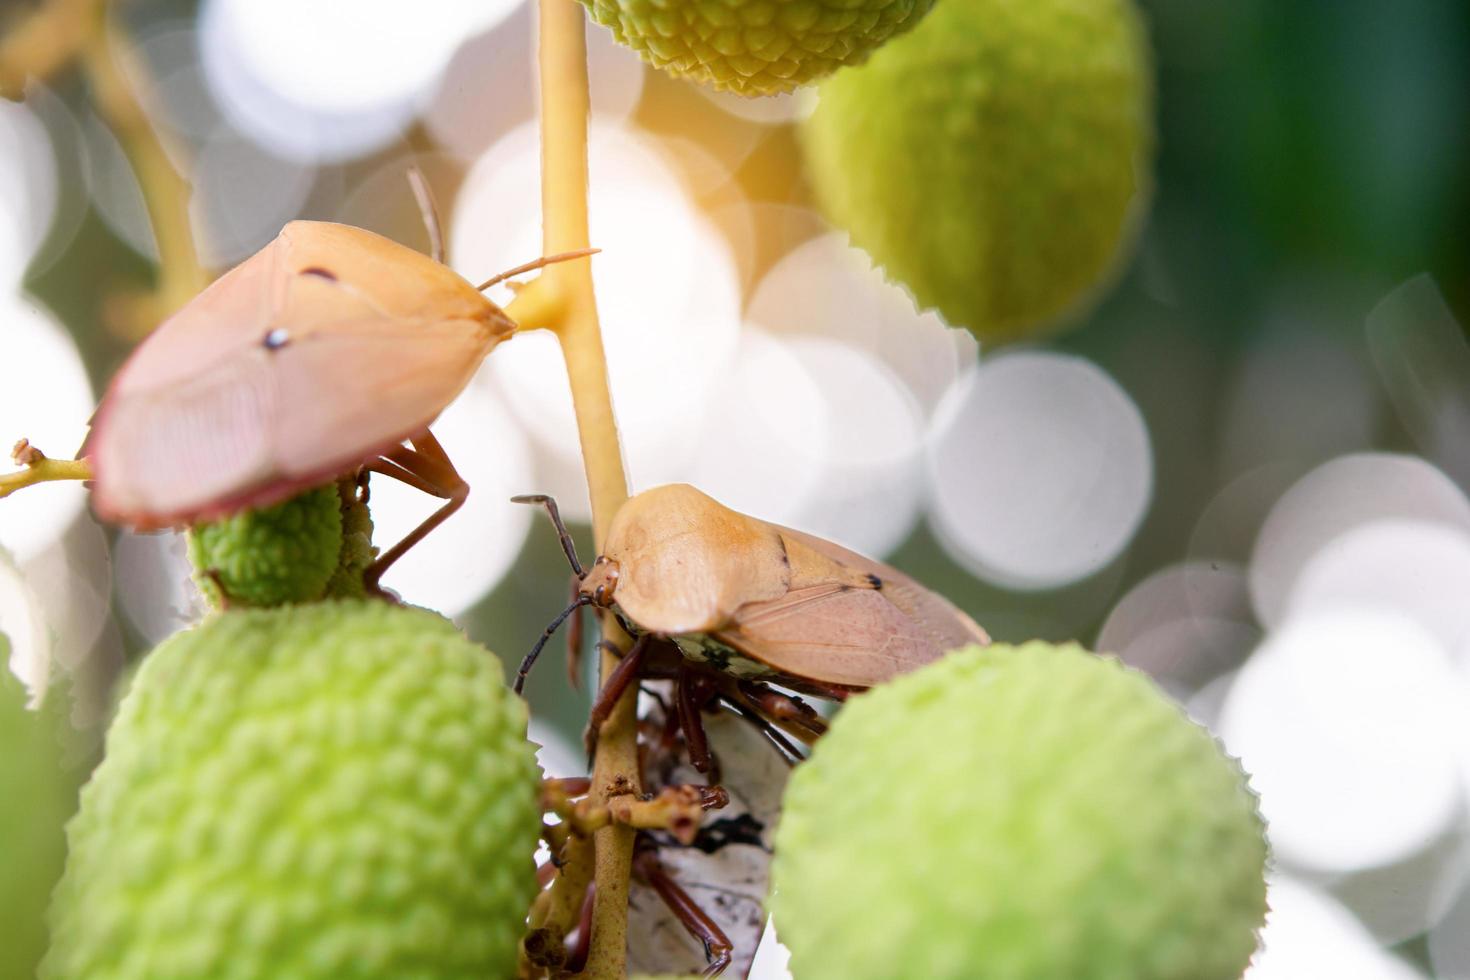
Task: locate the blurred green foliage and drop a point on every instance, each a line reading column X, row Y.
column 37, row 795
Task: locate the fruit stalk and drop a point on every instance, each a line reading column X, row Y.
column 42, row 43
column 565, row 106
column 116, row 74
column 37, row 467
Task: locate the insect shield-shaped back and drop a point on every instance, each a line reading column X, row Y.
column 325, row 348
column 787, row 605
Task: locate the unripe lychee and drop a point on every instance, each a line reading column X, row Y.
column 314, row 545
column 334, row 790
column 755, row 47
column 1026, row 812
column 995, row 160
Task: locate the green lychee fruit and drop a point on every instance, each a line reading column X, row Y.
column 995, row 160
column 38, row 797
column 755, row 47
column 1025, row 812
column 335, row 790
column 312, row 546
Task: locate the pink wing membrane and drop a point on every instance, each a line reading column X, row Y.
column 946, row 625
column 283, row 374
column 170, row 451
column 838, row 635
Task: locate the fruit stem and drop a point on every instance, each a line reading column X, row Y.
column 39, row 468
column 118, row 78
column 565, row 107
column 42, row 43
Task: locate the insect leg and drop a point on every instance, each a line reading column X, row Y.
column 794, row 715
column 567, row 546
column 427, row 469
column 717, row 945
column 574, row 641
column 529, row 660
column 577, row 953
column 789, row 753
column 691, row 691
column 625, row 673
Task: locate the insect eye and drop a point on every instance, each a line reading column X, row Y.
column 276, row 339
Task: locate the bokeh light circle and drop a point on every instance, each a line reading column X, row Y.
column 155, row 585
column 872, row 485
column 72, row 583
column 763, row 439
column 1346, row 722
column 1184, row 624
column 1041, row 469
column 176, row 96
column 828, row 288
column 320, row 80
column 1309, row 934
column 28, row 188
column 337, row 58
column 465, row 122
column 1406, row 899
column 116, row 196
column 243, row 194
column 1334, row 498
column 1414, row 567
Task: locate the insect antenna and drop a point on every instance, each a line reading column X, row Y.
column 530, row 660
column 425, row 198
column 535, row 264
column 567, row 546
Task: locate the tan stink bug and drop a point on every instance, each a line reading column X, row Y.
column 327, row 353
column 747, row 603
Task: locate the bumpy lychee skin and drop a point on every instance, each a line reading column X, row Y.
column 336, row 790
column 1025, row 812
column 995, row 159
column 272, row 555
column 755, row 47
